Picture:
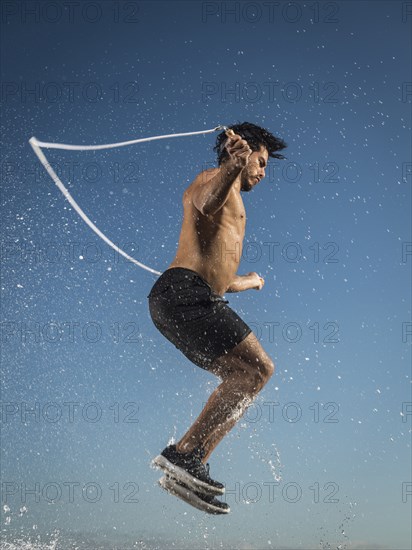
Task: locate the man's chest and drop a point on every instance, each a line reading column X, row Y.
column 235, row 209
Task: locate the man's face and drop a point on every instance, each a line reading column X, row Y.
column 254, row 171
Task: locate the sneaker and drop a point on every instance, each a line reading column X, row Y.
column 188, row 469
column 206, row 503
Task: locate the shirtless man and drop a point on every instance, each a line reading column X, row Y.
column 187, row 306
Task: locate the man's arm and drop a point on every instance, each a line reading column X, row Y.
column 211, row 194
column 246, row 282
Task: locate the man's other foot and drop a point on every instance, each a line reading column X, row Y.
column 188, row 469
column 206, row 503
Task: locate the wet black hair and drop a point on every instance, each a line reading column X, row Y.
column 255, row 136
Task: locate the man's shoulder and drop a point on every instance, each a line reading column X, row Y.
column 209, row 170
column 201, row 178
column 204, row 176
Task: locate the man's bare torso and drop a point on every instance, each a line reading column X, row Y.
column 211, row 244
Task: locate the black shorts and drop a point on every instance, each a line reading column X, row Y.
column 197, row 321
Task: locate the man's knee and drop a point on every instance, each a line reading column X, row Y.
column 258, row 373
column 265, row 370
column 270, row 368
column 249, row 361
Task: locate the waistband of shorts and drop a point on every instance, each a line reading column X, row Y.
column 195, row 275
column 185, row 271
column 189, row 274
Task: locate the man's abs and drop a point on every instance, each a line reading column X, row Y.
column 216, row 263
column 211, row 245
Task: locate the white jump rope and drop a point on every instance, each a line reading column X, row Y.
column 37, row 148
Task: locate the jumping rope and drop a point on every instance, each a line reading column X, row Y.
column 37, row 148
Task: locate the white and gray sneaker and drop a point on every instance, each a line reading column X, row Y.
column 188, row 470
column 206, row 503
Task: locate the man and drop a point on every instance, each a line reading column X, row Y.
column 187, row 306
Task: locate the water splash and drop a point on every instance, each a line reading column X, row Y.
column 32, row 544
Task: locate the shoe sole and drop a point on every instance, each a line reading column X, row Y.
column 181, row 475
column 184, row 493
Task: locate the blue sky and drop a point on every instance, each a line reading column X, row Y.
column 329, row 229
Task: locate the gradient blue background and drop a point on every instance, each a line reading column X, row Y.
column 165, row 67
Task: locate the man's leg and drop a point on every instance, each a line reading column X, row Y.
column 244, row 371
